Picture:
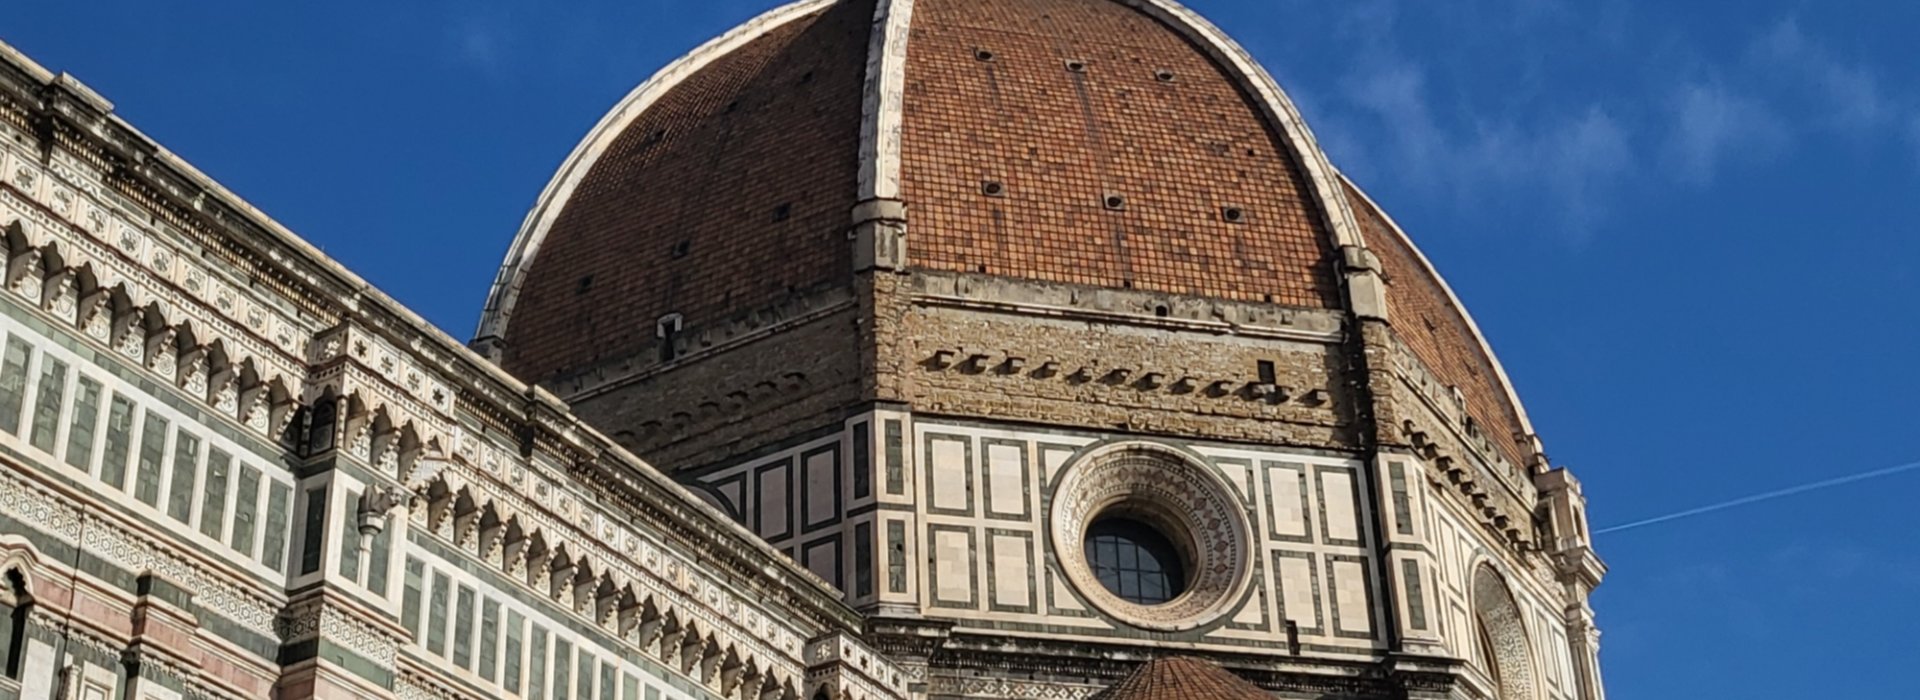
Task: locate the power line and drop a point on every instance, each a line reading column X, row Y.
column 1768, row 496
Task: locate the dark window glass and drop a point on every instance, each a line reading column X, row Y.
column 410, row 599
column 562, row 670
column 584, row 676
column 320, row 433
column 510, row 668
column 489, row 637
column 13, row 383
column 246, row 503
column 153, row 457
column 537, row 666
column 213, row 509
column 86, row 419
column 186, row 473
column 349, row 537
column 272, row 550
column 437, row 615
column 47, row 404
column 1135, row 561
column 315, row 532
column 377, row 556
column 113, row 457
column 463, row 629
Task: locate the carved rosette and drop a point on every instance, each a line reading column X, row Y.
column 1177, row 493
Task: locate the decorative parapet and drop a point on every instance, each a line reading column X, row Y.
column 273, row 321
column 844, row 668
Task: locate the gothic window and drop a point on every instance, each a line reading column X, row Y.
column 437, row 615
column 273, row 550
column 86, row 419
column 320, row 427
column 246, row 501
column 17, row 604
column 13, row 383
column 410, row 599
column 47, row 404
column 1135, row 561
column 152, row 460
column 349, row 536
column 113, row 459
column 510, row 668
column 213, row 510
column 562, row 670
column 315, row 532
column 1505, row 653
column 537, row 666
column 489, row 637
column 186, row 470
column 584, row 676
column 377, row 554
column 463, row 629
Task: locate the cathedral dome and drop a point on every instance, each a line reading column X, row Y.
column 1123, row 144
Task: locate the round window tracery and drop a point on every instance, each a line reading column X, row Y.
column 1151, row 536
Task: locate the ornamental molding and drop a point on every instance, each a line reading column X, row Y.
column 1179, row 493
column 68, row 210
column 39, row 508
column 1011, row 688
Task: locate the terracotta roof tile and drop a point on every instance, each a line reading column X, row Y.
column 1145, row 116
column 1435, row 330
column 729, row 192
column 1182, row 678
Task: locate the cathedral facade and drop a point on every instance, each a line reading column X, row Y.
column 874, row 350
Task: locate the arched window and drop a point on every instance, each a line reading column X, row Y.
column 1504, row 650
column 1135, row 561
column 320, row 428
column 17, row 605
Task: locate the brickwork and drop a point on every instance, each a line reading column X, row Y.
column 697, row 208
column 1425, row 319
column 1133, row 377
column 1082, row 100
column 709, row 409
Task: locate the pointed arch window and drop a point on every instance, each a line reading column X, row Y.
column 16, row 606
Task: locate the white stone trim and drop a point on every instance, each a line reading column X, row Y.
column 1506, row 384
column 884, row 98
column 533, row 231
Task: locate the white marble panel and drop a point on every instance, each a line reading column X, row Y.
column 1297, row 583
column 953, row 566
column 1012, row 581
column 1350, row 594
column 1006, row 493
column 950, row 475
column 1336, row 490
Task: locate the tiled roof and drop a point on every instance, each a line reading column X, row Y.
column 1078, row 100
column 1182, row 678
column 733, row 189
column 727, row 194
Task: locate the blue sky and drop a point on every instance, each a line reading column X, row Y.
column 1687, row 228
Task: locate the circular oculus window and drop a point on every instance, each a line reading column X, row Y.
column 1151, row 536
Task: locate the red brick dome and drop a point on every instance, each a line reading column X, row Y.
column 1106, row 143
column 1182, row 678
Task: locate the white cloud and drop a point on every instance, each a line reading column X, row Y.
column 1571, row 159
column 1839, row 94
column 1711, row 124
